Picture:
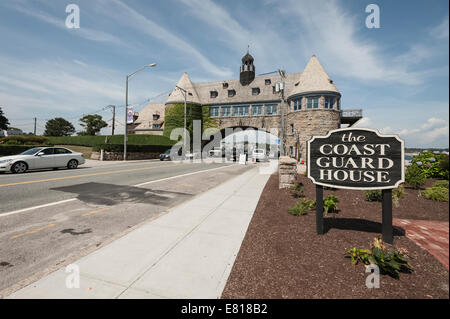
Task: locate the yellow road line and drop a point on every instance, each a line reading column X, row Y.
column 32, row 231
column 95, row 211
column 87, row 175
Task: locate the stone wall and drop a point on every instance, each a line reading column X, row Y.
column 287, row 172
column 308, row 123
column 118, row 156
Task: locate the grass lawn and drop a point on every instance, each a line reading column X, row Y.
column 86, row 150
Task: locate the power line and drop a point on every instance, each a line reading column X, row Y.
column 35, row 121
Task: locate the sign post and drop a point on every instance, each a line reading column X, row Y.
column 319, row 210
column 387, row 229
column 357, row 158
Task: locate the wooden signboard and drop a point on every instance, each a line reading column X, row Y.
column 357, row 158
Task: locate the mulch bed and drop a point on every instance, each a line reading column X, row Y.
column 283, row 257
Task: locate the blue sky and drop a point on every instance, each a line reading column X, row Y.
column 398, row 74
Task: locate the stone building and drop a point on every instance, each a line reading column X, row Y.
column 312, row 103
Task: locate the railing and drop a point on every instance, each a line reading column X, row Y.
column 351, row 113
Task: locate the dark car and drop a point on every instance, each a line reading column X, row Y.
column 165, row 156
column 232, row 155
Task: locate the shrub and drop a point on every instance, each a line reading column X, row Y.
column 433, row 165
column 439, row 194
column 377, row 195
column 397, row 193
column 443, row 184
column 7, row 150
column 415, row 176
column 443, row 166
column 138, row 139
column 23, row 140
column 390, row 262
column 301, row 207
column 374, row 195
column 330, row 204
column 297, row 190
column 131, row 148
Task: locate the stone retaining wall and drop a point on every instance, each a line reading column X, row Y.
column 287, row 171
column 118, row 156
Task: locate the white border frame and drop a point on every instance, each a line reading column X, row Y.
column 402, row 178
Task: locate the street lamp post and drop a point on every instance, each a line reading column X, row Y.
column 125, row 135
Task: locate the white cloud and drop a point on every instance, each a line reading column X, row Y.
column 260, row 34
column 433, row 122
column 434, row 132
column 84, row 32
column 334, row 36
column 441, row 31
column 124, row 14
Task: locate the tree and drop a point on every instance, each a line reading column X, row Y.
column 3, row 121
column 92, row 124
column 174, row 118
column 58, row 127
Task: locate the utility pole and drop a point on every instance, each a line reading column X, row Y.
column 35, row 119
column 282, row 135
column 113, row 107
column 113, row 120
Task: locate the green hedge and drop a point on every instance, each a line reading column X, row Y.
column 6, row 150
column 131, row 148
column 137, row 139
column 23, row 140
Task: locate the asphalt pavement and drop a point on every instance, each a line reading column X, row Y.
column 48, row 218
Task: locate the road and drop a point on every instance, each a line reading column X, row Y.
column 49, row 218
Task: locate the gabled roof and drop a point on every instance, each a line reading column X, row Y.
column 244, row 94
column 145, row 118
column 314, row 79
column 177, row 96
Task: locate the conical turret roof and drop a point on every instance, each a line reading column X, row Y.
column 314, row 79
column 177, row 96
column 247, row 57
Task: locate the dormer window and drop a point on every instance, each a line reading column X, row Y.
column 256, row 91
column 225, row 85
column 267, row 81
column 231, row 93
column 155, row 117
column 213, row 94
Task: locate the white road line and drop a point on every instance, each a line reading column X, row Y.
column 167, row 178
column 37, row 207
column 138, row 185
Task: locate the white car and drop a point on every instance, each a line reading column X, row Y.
column 216, row 152
column 259, row 155
column 41, row 157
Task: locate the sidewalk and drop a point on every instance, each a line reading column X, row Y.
column 186, row 253
column 432, row 236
